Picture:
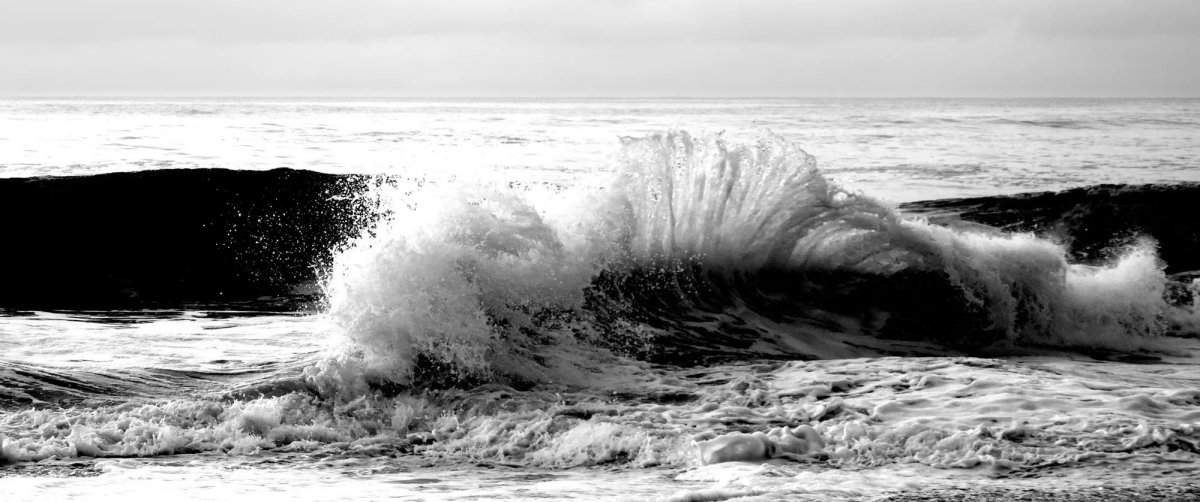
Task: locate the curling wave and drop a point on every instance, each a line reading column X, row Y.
column 703, row 250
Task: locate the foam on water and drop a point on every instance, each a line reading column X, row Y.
column 764, row 428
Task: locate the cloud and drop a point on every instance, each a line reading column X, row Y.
column 617, row 47
column 1100, row 19
column 778, row 21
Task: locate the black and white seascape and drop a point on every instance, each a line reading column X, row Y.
column 747, row 251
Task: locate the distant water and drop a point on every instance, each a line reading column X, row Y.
column 902, row 150
column 602, row 299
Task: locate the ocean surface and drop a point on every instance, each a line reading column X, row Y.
column 656, row 299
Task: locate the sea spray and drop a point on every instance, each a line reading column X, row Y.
column 1027, row 290
column 466, row 283
column 747, row 207
column 747, row 214
column 461, row 280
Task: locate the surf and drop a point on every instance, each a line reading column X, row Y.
column 701, row 251
column 705, row 305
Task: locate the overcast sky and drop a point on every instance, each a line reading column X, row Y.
column 601, row 47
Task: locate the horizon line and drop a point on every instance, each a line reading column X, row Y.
column 544, row 97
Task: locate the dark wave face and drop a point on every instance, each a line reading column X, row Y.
column 1093, row 222
column 164, row 238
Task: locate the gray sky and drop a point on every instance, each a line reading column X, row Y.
column 601, row 47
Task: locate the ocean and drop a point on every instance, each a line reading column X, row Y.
column 601, row 299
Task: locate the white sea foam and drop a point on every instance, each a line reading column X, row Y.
column 978, row 417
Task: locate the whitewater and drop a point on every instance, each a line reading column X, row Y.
column 599, row 299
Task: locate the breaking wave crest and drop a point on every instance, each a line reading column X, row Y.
column 702, row 250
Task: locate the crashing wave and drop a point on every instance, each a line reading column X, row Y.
column 701, row 249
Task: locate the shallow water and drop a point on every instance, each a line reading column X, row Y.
column 889, row 424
